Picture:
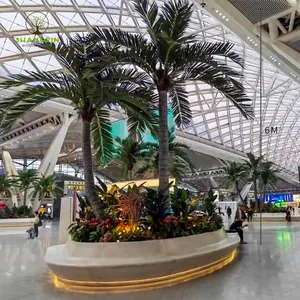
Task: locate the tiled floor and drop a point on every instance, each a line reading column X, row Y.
column 268, row 272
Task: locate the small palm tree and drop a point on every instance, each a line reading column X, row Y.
column 46, row 187
column 27, row 178
column 7, row 185
column 235, row 173
column 91, row 96
column 128, row 151
column 170, row 55
column 252, row 166
column 179, row 161
column 268, row 176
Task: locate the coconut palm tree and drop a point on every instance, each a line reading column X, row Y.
column 268, row 176
column 179, row 161
column 235, row 173
column 170, row 55
column 90, row 96
column 252, row 167
column 27, row 178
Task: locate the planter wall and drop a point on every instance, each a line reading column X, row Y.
column 18, row 222
column 114, row 266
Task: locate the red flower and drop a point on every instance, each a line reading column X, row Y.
column 94, row 223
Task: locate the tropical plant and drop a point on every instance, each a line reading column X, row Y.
column 91, row 96
column 268, row 176
column 46, row 187
column 252, row 167
column 26, row 178
column 235, row 173
column 182, row 203
column 7, row 185
column 208, row 205
column 171, row 55
column 128, row 151
column 179, row 161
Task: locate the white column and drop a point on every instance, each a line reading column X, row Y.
column 246, row 189
column 66, row 218
column 11, row 172
column 50, row 159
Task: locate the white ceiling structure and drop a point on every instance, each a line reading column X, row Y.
column 216, row 124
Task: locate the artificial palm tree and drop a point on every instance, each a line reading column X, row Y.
column 170, row 55
column 128, row 151
column 7, row 185
column 268, row 176
column 235, row 173
column 252, row 167
column 26, row 178
column 91, row 96
column 46, row 187
column 179, row 161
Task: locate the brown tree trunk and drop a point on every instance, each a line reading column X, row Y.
column 88, row 169
column 255, row 192
column 163, row 138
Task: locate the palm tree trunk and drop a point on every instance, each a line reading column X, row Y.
column 25, row 197
column 255, row 192
column 163, row 138
column 88, row 169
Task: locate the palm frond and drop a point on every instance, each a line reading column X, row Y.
column 27, row 99
column 180, row 105
column 216, row 79
column 102, row 137
column 149, row 14
column 176, row 15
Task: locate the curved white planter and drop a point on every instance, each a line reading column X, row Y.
column 19, row 222
column 137, row 265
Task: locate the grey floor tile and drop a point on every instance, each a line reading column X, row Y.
column 267, row 272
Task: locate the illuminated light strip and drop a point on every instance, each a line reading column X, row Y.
column 142, row 285
column 15, row 226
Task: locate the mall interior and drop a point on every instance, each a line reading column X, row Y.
column 149, row 149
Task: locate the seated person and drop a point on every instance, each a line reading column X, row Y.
column 237, row 226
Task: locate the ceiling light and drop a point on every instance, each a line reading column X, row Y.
column 279, row 63
column 217, row 11
column 220, row 14
column 227, row 20
column 223, row 17
column 255, row 44
column 248, row 38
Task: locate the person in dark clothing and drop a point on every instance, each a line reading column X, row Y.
column 250, row 214
column 237, row 226
column 229, row 211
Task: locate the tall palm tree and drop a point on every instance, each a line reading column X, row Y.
column 235, row 173
column 268, row 176
column 179, row 161
column 27, row 178
column 91, row 96
column 252, row 166
column 170, row 56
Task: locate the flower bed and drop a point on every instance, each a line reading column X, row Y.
column 140, row 214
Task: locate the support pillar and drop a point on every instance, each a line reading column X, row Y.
column 49, row 161
column 246, row 189
column 11, row 172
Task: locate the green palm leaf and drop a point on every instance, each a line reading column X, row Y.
column 102, row 136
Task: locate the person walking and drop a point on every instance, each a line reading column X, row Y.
column 36, row 223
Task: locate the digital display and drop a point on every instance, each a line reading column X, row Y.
column 275, row 198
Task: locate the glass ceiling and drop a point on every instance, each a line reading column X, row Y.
column 214, row 117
